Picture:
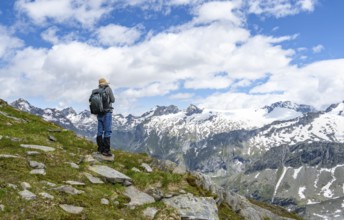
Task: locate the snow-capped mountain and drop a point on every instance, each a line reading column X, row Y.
column 285, row 153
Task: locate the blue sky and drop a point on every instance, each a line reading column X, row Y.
column 215, row 54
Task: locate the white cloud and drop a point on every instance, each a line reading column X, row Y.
column 313, row 84
column 112, row 35
column 308, row 5
column 219, row 11
column 85, row 12
column 154, row 89
column 50, row 35
column 318, row 48
column 8, row 42
column 214, row 42
column 182, row 96
column 279, row 8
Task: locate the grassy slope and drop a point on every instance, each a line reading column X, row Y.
column 70, row 148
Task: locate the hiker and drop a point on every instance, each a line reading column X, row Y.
column 105, row 120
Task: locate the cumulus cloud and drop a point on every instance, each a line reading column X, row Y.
column 213, row 51
column 112, row 35
column 279, row 8
column 219, row 11
column 8, row 42
column 85, row 12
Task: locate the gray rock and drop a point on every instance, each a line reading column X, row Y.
column 49, row 183
column 38, row 147
column 180, row 169
column 2, row 207
column 109, row 174
column 25, row 185
column 248, row 210
column 136, row 170
column 71, row 209
column 74, row 165
column 104, row 201
column 8, row 156
column 150, row 212
column 127, row 183
column 191, row 207
column 32, row 153
column 155, row 193
column 38, row 171
column 147, row 167
column 46, row 195
column 52, row 138
column 92, row 179
column 137, row 197
column 69, row 190
column 27, row 195
column 36, row 165
column 75, row 183
column 102, row 158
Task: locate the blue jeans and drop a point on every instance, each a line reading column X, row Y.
column 104, row 124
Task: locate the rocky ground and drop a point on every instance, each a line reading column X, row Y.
column 50, row 173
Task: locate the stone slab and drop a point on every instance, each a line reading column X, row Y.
column 38, row 147
column 109, row 174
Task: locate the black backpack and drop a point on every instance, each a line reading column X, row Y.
column 98, row 101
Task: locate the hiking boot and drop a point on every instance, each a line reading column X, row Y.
column 106, row 151
column 100, row 144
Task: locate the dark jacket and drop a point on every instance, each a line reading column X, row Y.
column 111, row 97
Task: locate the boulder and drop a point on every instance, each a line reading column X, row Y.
column 38, row 171
column 2, row 207
column 38, row 147
column 191, row 207
column 104, row 201
column 36, row 165
column 74, row 165
column 147, row 167
column 137, row 197
column 27, row 195
column 150, row 212
column 71, row 208
column 46, row 195
column 25, row 185
column 69, row 190
column 111, row 175
column 32, row 152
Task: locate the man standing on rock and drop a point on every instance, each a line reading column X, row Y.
column 105, row 120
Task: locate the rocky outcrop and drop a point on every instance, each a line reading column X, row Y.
column 191, row 207
column 137, row 197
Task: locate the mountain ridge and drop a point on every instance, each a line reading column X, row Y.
column 229, row 145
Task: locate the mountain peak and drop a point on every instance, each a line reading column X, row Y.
column 165, row 110
column 68, row 111
column 22, row 105
column 193, row 109
column 290, row 105
column 337, row 108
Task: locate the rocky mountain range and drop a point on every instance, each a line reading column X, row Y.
column 283, row 153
